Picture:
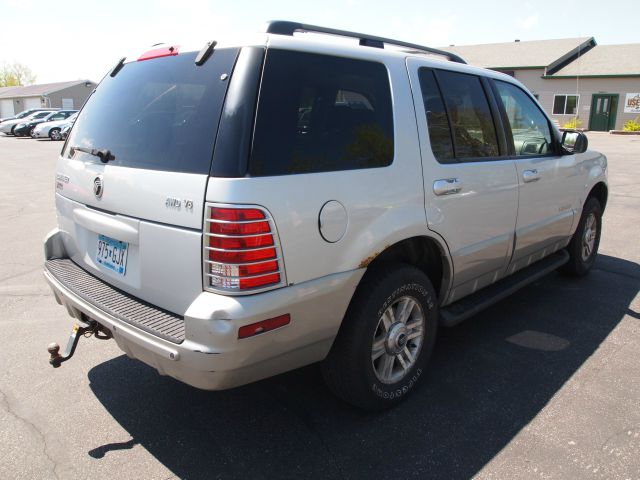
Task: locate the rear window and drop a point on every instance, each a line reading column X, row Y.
column 158, row 114
column 319, row 113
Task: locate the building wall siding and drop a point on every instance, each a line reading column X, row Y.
column 79, row 94
column 546, row 88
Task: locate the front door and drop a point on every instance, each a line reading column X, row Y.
column 547, row 179
column 603, row 112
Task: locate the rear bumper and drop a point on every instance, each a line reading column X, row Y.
column 21, row 132
column 211, row 356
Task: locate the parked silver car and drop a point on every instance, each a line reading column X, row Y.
column 52, row 130
column 233, row 213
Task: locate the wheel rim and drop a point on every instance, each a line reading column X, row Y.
column 55, row 134
column 397, row 340
column 589, row 236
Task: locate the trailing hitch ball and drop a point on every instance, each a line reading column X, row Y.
column 83, row 330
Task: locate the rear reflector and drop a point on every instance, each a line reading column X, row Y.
column 159, row 52
column 264, row 326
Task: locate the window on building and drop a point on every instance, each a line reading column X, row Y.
column 311, row 121
column 565, row 104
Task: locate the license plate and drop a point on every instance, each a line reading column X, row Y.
column 112, row 253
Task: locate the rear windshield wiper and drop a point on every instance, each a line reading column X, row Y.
column 104, row 155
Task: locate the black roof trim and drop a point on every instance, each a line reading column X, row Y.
column 282, row 27
column 570, row 56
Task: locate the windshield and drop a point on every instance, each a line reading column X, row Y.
column 38, row 115
column 159, row 114
column 24, row 114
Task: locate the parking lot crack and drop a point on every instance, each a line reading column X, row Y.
column 6, row 405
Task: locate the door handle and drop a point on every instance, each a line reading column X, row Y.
column 530, row 176
column 447, row 186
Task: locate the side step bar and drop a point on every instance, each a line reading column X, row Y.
column 469, row 306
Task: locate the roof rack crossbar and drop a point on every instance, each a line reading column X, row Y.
column 282, row 27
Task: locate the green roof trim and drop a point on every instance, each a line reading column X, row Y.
column 627, row 75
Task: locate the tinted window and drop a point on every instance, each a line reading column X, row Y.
column 439, row 131
column 474, row 134
column 529, row 127
column 159, row 114
column 318, row 113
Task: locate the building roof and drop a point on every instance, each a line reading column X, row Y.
column 4, row 90
column 605, row 60
column 528, row 54
column 37, row 90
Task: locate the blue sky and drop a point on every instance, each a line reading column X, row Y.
column 73, row 39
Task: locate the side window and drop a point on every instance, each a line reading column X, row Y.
column 439, row 132
column 529, row 127
column 474, row 133
column 318, row 113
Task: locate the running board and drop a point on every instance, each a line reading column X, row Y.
column 469, row 306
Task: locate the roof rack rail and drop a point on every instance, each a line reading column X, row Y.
column 282, row 27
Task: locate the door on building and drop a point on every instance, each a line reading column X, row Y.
column 67, row 103
column 6, row 108
column 32, row 102
column 603, row 111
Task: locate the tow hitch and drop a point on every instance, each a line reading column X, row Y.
column 79, row 330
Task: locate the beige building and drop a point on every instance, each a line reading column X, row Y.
column 572, row 77
column 68, row 95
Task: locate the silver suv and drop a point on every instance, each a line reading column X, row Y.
column 232, row 213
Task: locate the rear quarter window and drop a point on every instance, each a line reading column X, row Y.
column 319, row 113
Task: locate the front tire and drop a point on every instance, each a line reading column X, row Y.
column 583, row 248
column 385, row 340
column 54, row 134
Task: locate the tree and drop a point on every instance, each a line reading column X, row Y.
column 16, row 74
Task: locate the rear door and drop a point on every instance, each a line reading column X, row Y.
column 471, row 189
column 548, row 181
column 136, row 221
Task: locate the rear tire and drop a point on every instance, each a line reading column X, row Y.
column 583, row 248
column 385, row 339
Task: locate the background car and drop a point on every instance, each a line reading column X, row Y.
column 64, row 133
column 26, row 113
column 52, row 129
column 25, row 128
column 7, row 127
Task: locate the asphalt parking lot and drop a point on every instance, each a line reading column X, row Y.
column 545, row 384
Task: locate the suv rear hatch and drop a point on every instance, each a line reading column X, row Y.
column 136, row 220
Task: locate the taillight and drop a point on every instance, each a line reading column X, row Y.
column 159, row 52
column 241, row 251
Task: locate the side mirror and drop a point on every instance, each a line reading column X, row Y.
column 574, row 142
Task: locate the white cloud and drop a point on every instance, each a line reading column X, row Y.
column 436, row 31
column 529, row 22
